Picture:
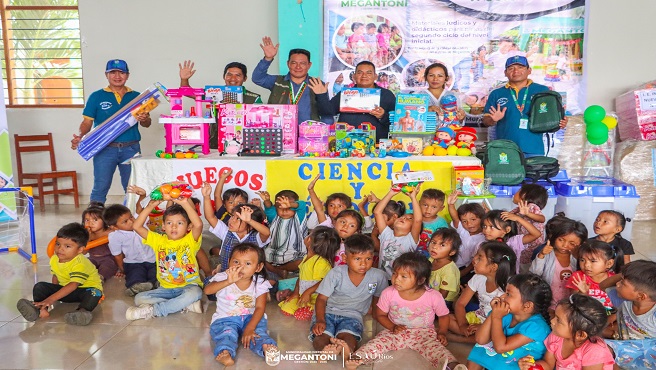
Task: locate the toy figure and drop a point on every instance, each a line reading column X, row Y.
column 231, row 148
column 444, row 137
column 449, row 105
column 465, row 139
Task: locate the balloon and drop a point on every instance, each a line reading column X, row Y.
column 594, row 113
column 597, row 133
column 596, row 129
column 610, row 122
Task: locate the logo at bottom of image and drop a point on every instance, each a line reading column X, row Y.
column 274, row 357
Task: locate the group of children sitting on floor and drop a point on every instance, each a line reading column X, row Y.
column 495, row 278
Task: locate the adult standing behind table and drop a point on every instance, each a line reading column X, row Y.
column 292, row 87
column 101, row 105
column 507, row 107
column 234, row 74
column 365, row 78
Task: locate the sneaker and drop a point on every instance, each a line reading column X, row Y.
column 79, row 317
column 196, row 307
column 27, row 309
column 145, row 311
column 138, row 288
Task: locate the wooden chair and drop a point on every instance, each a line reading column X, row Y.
column 40, row 180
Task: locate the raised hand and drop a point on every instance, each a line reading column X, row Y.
column 453, row 197
column 134, row 189
column 206, row 190
column 269, row 49
column 509, row 216
column 523, row 207
column 284, row 202
column 317, row 86
column 224, row 175
column 245, row 214
column 186, row 69
column 580, row 283
column 372, row 198
column 313, row 182
column 547, row 248
column 497, row 113
column 264, row 195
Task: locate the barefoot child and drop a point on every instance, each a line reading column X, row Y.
column 74, row 279
column 345, row 295
column 407, row 310
column 241, row 293
column 322, row 244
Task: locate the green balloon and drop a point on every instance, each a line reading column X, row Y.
column 594, row 113
column 597, row 133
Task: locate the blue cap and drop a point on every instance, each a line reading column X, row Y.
column 117, row 65
column 517, row 59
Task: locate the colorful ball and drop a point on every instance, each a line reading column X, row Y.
column 594, row 113
column 610, row 122
column 175, row 193
column 156, row 195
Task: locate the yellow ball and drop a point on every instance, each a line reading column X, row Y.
column 610, row 122
column 463, row 152
column 427, row 150
column 439, row 151
column 452, row 150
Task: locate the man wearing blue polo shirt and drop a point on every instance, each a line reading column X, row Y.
column 101, row 105
column 508, row 106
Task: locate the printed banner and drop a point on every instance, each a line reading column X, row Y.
column 7, row 199
column 355, row 178
column 472, row 38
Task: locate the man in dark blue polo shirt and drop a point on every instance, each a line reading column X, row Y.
column 508, row 106
column 101, row 105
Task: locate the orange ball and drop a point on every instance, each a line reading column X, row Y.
column 179, row 155
column 189, row 155
column 175, row 193
column 165, row 189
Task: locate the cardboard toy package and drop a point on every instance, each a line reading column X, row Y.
column 233, row 118
column 411, row 113
column 359, row 139
column 313, row 137
column 636, row 111
column 355, row 100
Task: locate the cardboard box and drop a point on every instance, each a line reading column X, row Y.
column 355, row 100
column 636, row 111
column 469, row 180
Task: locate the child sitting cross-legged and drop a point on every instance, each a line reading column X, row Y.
column 245, row 226
column 286, row 250
column 407, row 310
column 241, row 293
column 135, row 260
column 322, row 244
column 445, row 275
column 74, row 279
column 100, row 256
column 345, row 295
column 175, row 250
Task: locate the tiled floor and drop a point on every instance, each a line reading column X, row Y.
column 179, row 341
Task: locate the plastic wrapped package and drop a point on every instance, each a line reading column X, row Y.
column 633, row 165
column 572, row 149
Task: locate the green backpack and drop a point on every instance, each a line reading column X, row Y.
column 546, row 112
column 504, row 163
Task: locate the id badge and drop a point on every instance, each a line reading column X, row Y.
column 523, row 123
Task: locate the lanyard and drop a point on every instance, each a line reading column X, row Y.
column 294, row 98
column 520, row 108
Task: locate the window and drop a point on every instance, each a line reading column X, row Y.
column 42, row 60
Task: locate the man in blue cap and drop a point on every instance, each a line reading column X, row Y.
column 101, row 105
column 508, row 106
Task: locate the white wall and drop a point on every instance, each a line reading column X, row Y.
column 154, row 36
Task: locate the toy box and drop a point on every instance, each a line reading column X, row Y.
column 469, row 180
column 313, row 137
column 412, row 145
column 412, row 176
column 636, row 111
column 353, row 139
column 233, row 118
column 583, row 197
column 224, row 94
column 262, row 141
column 411, row 113
column 355, row 100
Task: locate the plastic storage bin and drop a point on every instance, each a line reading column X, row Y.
column 504, row 197
column 582, row 198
